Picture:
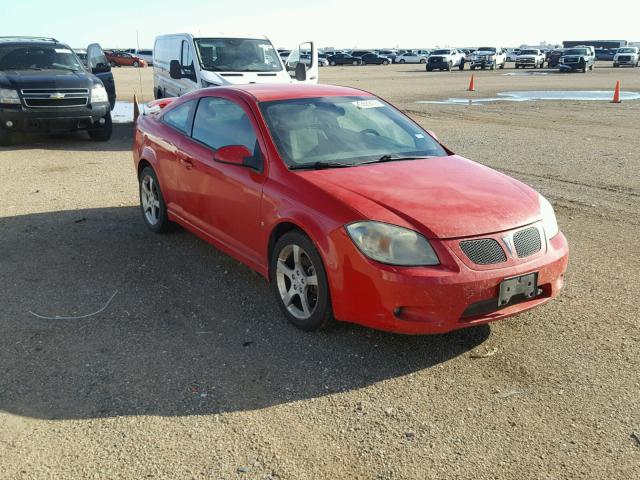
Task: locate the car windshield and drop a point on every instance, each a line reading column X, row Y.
column 344, row 130
column 576, row 51
column 441, row 52
column 528, row 52
column 237, row 55
column 487, row 49
column 626, row 50
column 38, row 57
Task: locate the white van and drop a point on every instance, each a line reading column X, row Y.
column 183, row 63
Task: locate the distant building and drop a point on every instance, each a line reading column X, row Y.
column 595, row 43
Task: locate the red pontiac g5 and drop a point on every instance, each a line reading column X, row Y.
column 350, row 209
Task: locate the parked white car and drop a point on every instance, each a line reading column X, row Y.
column 530, row 57
column 183, row 63
column 626, row 56
column 146, row 55
column 446, row 59
column 490, row 57
column 411, row 58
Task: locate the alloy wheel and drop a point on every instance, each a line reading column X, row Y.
column 297, row 281
column 150, row 198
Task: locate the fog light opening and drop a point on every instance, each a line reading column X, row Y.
column 9, row 124
column 102, row 121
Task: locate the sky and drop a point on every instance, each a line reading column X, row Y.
column 330, row 23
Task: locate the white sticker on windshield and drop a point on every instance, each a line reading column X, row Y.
column 419, row 135
column 62, row 50
column 368, row 103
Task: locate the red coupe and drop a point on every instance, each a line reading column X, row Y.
column 350, row 209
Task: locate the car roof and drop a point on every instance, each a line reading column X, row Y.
column 265, row 92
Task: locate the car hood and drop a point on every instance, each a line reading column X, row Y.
column 19, row 79
column 443, row 197
column 529, row 56
column 484, row 52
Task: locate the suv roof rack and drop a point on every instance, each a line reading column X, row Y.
column 27, row 37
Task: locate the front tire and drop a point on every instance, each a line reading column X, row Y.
column 401, row 60
column 102, row 133
column 136, row 64
column 152, row 205
column 5, row 138
column 422, row 60
column 299, row 282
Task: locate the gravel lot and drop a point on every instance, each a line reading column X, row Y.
column 191, row 372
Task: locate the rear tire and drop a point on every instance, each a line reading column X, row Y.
column 429, row 69
column 152, row 205
column 449, row 66
column 332, row 63
column 422, row 60
column 103, row 132
column 299, row 282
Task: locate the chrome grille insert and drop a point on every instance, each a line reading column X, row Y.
column 55, row 97
column 485, row 251
column 527, row 242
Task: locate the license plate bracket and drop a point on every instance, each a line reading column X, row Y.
column 526, row 285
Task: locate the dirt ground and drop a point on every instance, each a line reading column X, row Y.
column 191, row 371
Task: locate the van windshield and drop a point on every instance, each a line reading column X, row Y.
column 237, row 55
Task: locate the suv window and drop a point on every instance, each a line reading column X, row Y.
column 179, row 117
column 220, row 122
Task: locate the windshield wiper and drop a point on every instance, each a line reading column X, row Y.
column 21, row 68
column 320, row 165
column 394, row 157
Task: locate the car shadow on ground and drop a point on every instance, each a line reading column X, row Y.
column 121, row 140
column 189, row 330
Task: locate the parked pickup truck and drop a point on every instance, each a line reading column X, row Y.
column 577, row 59
column 626, row 56
column 490, row 57
column 445, row 59
column 530, row 58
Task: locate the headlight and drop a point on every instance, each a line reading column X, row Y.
column 99, row 94
column 549, row 221
column 392, row 244
column 8, row 96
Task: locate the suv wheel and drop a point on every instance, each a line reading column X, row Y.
column 299, row 281
column 102, row 133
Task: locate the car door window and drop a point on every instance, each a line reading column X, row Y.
column 180, row 117
column 219, row 122
column 187, row 59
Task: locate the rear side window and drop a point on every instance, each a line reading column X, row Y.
column 179, row 117
column 219, row 122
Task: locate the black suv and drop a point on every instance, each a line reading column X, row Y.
column 44, row 87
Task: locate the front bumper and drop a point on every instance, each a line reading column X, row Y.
column 481, row 63
column 25, row 119
column 421, row 300
column 444, row 64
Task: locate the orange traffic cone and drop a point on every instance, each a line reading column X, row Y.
column 616, row 93
column 471, row 85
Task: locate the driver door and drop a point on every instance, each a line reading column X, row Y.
column 300, row 69
column 98, row 64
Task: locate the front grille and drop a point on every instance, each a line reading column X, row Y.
column 55, row 98
column 527, row 242
column 485, row 251
column 571, row 60
column 525, row 60
column 624, row 59
column 435, row 59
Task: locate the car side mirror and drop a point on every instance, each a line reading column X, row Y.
column 435, row 137
column 233, row 155
column 101, row 68
column 175, row 70
column 301, row 72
